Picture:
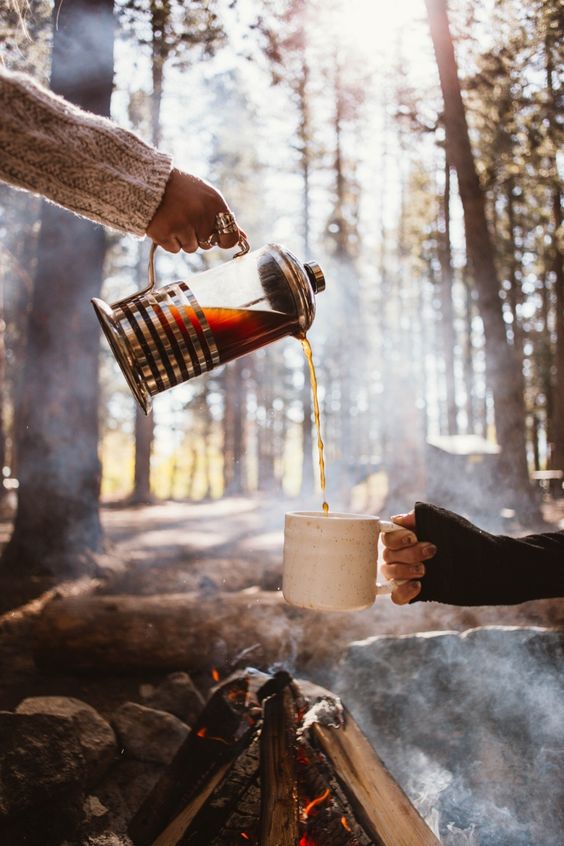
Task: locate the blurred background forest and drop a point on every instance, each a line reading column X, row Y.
column 325, row 126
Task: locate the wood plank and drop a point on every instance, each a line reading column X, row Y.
column 378, row 801
column 279, row 811
column 175, row 830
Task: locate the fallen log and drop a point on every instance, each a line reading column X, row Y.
column 163, row 632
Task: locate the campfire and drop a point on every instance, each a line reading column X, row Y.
column 277, row 762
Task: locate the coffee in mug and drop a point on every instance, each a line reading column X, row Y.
column 330, row 560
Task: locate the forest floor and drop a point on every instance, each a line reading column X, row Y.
column 226, row 545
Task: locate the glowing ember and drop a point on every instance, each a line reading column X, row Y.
column 345, row 824
column 203, row 732
column 244, row 836
column 306, row 841
column 215, row 674
column 314, row 802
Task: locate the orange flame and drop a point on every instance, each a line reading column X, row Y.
column 345, row 824
column 203, row 732
column 245, row 835
column 311, row 805
column 215, row 674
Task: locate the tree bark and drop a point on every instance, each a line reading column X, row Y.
column 557, row 457
column 145, row 423
column 504, row 372
column 447, row 309
column 234, row 428
column 304, row 134
column 59, row 470
column 469, row 357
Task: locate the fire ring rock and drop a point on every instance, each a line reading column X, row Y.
column 147, row 734
column 179, row 696
column 95, row 735
column 40, row 761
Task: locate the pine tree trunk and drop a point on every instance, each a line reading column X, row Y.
column 469, row 358
column 59, row 472
column 557, row 456
column 304, row 133
column 144, row 429
column 447, row 309
column 504, row 372
column 234, row 428
column 145, row 424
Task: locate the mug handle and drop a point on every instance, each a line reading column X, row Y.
column 388, row 587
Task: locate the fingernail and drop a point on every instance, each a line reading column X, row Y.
column 398, row 516
column 429, row 550
column 418, row 570
column 409, row 539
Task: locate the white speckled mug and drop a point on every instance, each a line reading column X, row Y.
column 330, row 560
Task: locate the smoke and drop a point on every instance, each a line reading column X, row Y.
column 471, row 726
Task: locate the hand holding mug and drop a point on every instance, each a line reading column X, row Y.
column 404, row 558
column 330, row 560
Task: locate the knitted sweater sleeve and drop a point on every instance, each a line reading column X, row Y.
column 76, row 159
column 473, row 567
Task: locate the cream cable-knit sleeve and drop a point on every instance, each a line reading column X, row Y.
column 76, row 159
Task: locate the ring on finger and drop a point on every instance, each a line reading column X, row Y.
column 207, row 243
column 225, row 223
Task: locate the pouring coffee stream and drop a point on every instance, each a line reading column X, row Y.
column 162, row 337
column 317, row 419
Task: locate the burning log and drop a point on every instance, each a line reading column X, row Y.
column 379, row 803
column 290, row 768
column 224, row 731
column 279, row 806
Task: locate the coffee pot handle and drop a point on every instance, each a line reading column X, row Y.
column 243, row 245
column 148, row 288
column 389, row 587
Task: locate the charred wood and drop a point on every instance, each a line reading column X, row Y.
column 279, row 791
column 378, row 802
column 274, row 762
column 222, row 732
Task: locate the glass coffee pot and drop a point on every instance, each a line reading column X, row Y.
column 162, row 337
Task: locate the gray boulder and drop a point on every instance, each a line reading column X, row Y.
column 42, row 778
column 179, row 696
column 147, row 734
column 95, row 735
column 40, row 760
column 471, row 725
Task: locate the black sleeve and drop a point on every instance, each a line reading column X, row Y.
column 473, row 567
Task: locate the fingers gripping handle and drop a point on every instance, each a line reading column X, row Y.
column 389, row 587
